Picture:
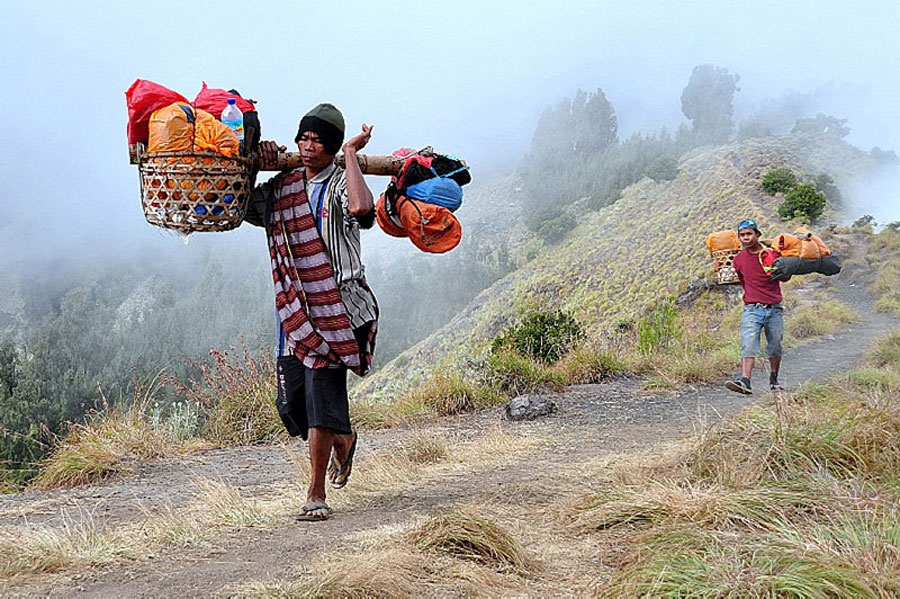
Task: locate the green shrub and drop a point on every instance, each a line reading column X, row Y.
column 663, row 168
column 780, row 180
column 659, row 328
column 516, row 374
column 543, row 336
column 803, row 201
column 556, row 228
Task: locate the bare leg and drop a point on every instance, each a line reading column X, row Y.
column 774, row 365
column 342, row 445
column 746, row 367
column 321, row 440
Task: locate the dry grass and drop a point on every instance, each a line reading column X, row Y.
column 588, row 364
column 236, row 391
column 453, row 553
column 108, row 443
column 823, row 317
column 426, row 449
column 656, row 503
column 799, row 502
column 77, row 545
column 446, row 394
column 466, row 534
column 885, row 351
column 388, row 573
column 690, row 562
column 223, row 504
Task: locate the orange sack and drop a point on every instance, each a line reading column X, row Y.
column 809, row 236
column 723, row 240
column 387, row 224
column 179, row 127
column 788, row 245
column 431, row 228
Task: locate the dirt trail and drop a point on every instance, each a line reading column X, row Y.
column 592, row 421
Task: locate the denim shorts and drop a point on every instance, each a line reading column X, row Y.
column 759, row 317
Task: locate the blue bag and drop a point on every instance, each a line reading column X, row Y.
column 439, row 190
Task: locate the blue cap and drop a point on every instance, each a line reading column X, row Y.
column 749, row 223
column 232, row 101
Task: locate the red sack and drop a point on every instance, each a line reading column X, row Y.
column 143, row 99
column 214, row 100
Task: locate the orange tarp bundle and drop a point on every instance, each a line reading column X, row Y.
column 180, row 127
column 788, row 245
column 805, row 244
column 431, row 228
column 810, row 237
column 723, row 240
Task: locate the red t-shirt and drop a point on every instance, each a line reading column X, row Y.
column 758, row 287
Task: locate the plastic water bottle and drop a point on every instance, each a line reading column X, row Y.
column 234, row 118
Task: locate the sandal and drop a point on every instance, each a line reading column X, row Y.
column 341, row 474
column 315, row 512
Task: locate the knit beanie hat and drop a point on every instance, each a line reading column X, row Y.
column 326, row 121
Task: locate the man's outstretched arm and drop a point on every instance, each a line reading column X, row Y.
column 359, row 196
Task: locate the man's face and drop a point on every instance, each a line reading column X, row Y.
column 312, row 151
column 748, row 237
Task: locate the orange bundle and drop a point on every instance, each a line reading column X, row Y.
column 788, row 245
column 723, row 240
column 179, row 127
column 808, row 238
column 431, row 228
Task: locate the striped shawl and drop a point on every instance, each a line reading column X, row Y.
column 308, row 301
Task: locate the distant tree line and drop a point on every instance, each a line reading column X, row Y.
column 577, row 162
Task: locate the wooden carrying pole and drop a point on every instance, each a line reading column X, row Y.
column 371, row 164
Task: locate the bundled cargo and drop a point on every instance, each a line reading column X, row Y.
column 723, row 246
column 192, row 172
column 196, row 158
column 803, row 253
column 420, row 200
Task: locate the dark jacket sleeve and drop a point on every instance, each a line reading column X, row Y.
column 258, row 204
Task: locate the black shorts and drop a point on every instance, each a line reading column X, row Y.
column 310, row 397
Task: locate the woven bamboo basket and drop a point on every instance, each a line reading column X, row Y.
column 194, row 191
column 723, row 264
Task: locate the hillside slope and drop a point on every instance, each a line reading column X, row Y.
column 620, row 260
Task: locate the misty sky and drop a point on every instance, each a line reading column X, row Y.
column 470, row 78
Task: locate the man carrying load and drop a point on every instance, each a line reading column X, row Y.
column 327, row 315
column 762, row 309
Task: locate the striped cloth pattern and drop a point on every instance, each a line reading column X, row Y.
column 309, row 304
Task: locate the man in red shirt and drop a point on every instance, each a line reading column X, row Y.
column 762, row 309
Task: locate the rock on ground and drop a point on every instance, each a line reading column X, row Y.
column 529, row 407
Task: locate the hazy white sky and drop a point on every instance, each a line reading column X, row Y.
column 468, row 77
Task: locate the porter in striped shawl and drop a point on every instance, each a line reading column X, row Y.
column 316, row 325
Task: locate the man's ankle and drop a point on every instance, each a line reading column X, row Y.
column 773, row 378
column 745, row 381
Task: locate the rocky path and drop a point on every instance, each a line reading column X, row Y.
column 592, row 421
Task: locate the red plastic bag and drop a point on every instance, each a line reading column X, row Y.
column 214, row 100
column 143, row 99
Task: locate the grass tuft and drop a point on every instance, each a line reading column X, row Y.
column 447, row 395
column 76, row 545
column 821, row 318
column 661, row 503
column 467, row 535
column 681, row 562
column 236, row 392
column 516, row 374
column 224, row 504
column 106, row 444
column 886, row 351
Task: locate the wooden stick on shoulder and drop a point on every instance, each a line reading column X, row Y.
column 371, row 164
